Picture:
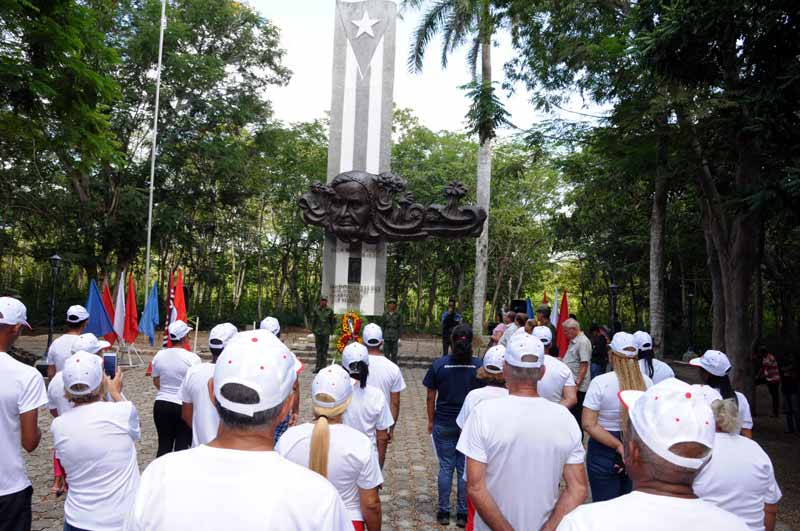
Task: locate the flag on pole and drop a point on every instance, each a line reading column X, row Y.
column 131, row 329
column 108, row 304
column 529, row 308
column 119, row 308
column 563, row 315
column 99, row 323
column 554, row 311
column 149, row 320
column 168, row 314
column 179, row 304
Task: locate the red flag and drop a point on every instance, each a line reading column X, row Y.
column 563, row 315
column 168, row 313
column 544, row 299
column 179, row 305
column 108, row 304
column 131, row 314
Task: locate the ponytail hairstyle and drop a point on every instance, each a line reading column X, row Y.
column 360, row 373
column 320, row 444
column 629, row 377
column 721, row 384
column 647, row 355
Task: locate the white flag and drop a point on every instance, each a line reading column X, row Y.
column 553, row 311
column 119, row 309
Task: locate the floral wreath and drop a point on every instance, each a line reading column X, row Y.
column 351, row 327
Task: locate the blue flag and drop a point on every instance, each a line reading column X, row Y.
column 530, row 309
column 99, row 322
column 149, row 319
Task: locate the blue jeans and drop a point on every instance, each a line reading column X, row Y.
column 445, row 439
column 605, row 482
column 595, row 369
column 281, row 428
column 68, row 527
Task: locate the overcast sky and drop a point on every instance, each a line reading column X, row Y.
column 307, row 36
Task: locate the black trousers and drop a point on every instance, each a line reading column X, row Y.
column 577, row 409
column 774, row 392
column 15, row 511
column 322, row 343
column 445, row 343
column 173, row 433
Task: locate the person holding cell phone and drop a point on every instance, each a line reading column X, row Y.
column 96, row 444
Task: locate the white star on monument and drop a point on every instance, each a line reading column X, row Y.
column 365, row 25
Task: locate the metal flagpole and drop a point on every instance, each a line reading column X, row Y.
column 153, row 146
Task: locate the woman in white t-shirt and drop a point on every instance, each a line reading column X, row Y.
column 368, row 411
column 95, row 442
column 337, row 452
column 714, row 368
column 739, row 477
column 603, row 419
column 653, row 368
column 169, row 370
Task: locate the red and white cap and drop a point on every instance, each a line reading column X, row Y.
column 643, row 340
column 77, row 314
column 259, row 361
column 271, row 324
column 13, row 312
column 714, row 361
column 178, row 330
column 82, row 368
column 669, row 413
column 373, row 335
column 494, row 359
column 89, row 343
column 544, row 334
column 331, row 387
column 624, row 344
column 353, row 353
column 220, row 335
column 524, row 345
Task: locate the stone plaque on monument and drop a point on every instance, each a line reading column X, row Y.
column 360, row 139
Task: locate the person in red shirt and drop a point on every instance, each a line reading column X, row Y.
column 771, row 375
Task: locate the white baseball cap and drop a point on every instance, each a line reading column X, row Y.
column 89, row 343
column 714, row 361
column 353, row 353
column 373, row 335
column 624, row 344
column 331, row 383
column 544, row 334
column 220, row 335
column 77, row 314
column 271, row 324
column 259, row 361
column 266, row 335
column 82, row 368
column 669, row 413
column 643, row 340
column 493, row 359
column 524, row 345
column 178, row 330
column 13, row 312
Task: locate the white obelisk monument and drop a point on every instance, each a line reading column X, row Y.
column 354, row 274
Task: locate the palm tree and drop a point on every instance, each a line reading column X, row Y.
column 471, row 22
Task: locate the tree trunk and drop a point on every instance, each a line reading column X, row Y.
column 483, row 196
column 431, row 298
column 498, row 283
column 658, row 218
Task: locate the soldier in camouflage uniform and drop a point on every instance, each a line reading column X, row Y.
column 322, row 320
column 392, row 328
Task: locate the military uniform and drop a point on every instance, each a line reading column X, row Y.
column 392, row 328
column 322, row 327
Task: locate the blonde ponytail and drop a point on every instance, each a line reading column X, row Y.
column 320, row 443
column 629, row 377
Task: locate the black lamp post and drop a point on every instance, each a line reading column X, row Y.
column 55, row 266
column 691, row 319
column 614, row 289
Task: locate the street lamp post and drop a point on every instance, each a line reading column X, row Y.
column 691, row 320
column 55, row 266
column 614, row 289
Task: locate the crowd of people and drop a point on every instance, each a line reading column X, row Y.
column 510, row 424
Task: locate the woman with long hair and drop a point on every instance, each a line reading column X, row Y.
column 714, row 368
column 651, row 367
column 337, row 452
column 739, row 477
column 604, row 419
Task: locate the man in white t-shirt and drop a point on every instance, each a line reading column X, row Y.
column 238, row 481
column 22, row 393
column 669, row 438
column 368, row 411
column 170, row 366
column 197, row 410
column 518, row 449
column 61, row 347
column 95, row 442
column 383, row 373
column 558, row 383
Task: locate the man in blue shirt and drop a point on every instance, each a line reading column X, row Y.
column 450, row 319
column 448, row 380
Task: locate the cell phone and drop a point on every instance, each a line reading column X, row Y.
column 110, row 364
